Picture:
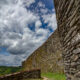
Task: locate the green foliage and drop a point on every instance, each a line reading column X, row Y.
column 54, row 76
column 8, row 70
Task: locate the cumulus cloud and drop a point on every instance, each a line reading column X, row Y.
column 38, row 24
column 14, row 27
column 28, row 2
column 11, row 60
column 51, row 20
column 40, row 4
column 15, row 33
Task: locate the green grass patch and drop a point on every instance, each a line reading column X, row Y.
column 54, row 76
column 8, row 70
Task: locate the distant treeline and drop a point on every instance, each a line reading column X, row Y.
column 8, row 70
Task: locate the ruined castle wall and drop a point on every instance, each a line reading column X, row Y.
column 47, row 57
column 68, row 19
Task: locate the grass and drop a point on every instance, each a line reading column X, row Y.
column 54, row 76
column 51, row 76
column 8, row 70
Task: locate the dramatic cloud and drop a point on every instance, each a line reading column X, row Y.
column 21, row 30
column 11, row 60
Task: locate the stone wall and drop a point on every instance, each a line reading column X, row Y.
column 32, row 74
column 47, row 57
column 68, row 19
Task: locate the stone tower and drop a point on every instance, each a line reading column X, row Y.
column 68, row 19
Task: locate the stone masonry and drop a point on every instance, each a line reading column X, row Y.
column 48, row 57
column 68, row 19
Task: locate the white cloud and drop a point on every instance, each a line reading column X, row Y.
column 11, row 60
column 51, row 20
column 15, row 33
column 44, row 10
column 28, row 2
column 42, row 31
column 38, row 24
column 8, row 60
column 40, row 4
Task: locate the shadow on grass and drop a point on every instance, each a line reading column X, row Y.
column 51, row 76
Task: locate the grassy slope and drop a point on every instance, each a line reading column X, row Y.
column 7, row 70
column 54, row 76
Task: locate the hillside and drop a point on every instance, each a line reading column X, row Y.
column 8, row 70
column 48, row 57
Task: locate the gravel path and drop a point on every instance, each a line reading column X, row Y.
column 44, row 78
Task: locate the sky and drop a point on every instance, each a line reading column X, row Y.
column 24, row 26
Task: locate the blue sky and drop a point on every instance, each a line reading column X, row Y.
column 24, row 26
